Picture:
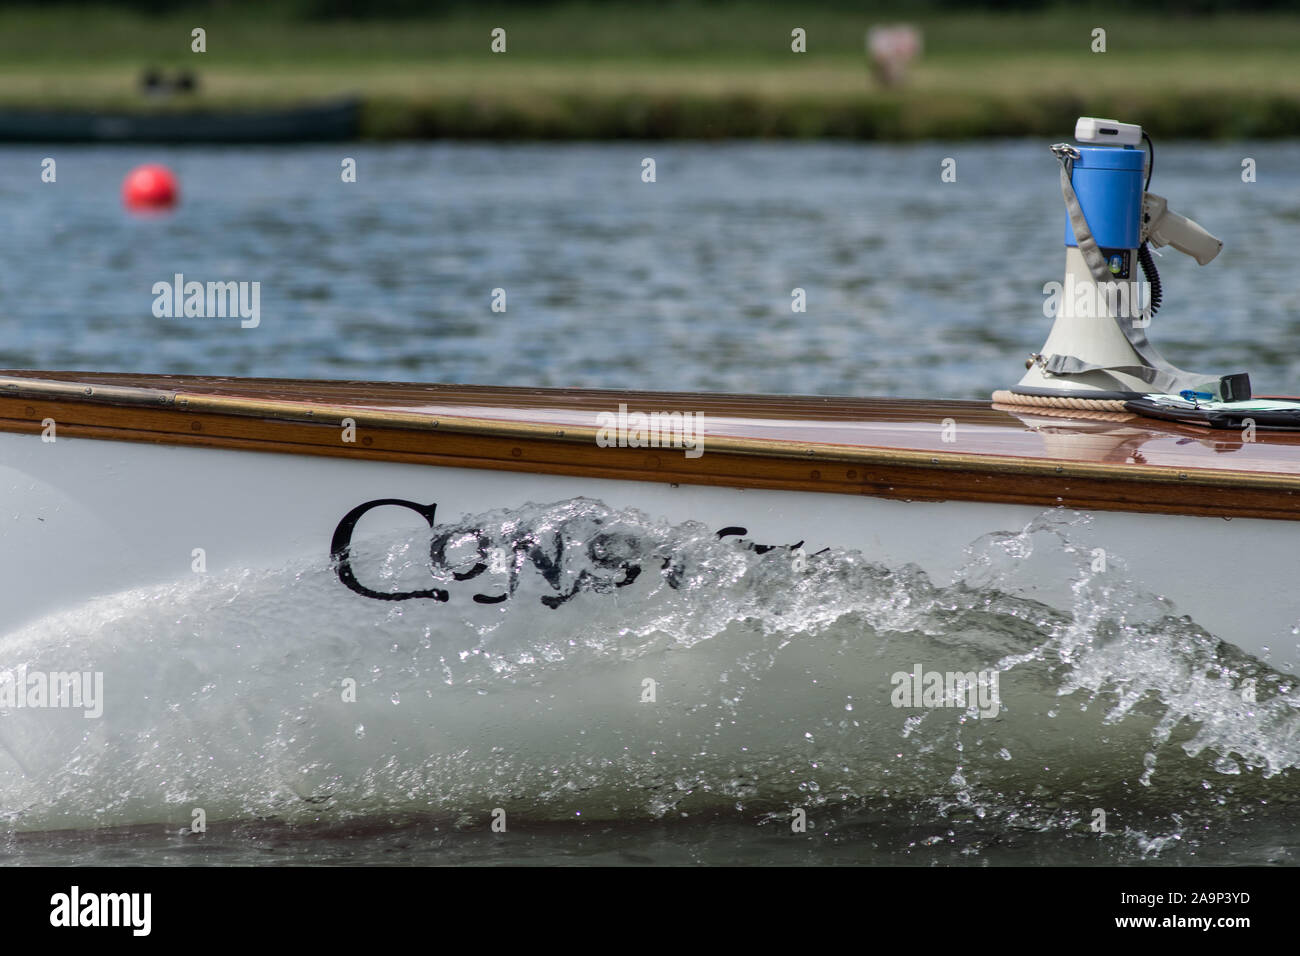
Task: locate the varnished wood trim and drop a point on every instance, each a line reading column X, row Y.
column 272, row 411
column 736, row 463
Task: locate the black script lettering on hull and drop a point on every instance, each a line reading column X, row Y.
column 609, row 556
column 341, row 550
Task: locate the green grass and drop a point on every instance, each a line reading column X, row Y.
column 697, row 70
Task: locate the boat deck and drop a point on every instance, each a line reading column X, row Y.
column 891, row 447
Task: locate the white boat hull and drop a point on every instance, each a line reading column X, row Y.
column 84, row 519
column 225, row 680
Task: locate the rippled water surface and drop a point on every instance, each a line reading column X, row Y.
column 913, row 286
column 777, row 684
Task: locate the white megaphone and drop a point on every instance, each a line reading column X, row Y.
column 1098, row 348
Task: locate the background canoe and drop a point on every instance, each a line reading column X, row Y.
column 330, row 121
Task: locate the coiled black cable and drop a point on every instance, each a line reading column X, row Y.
column 1152, row 276
column 1144, row 254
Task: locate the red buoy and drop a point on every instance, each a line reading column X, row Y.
column 150, row 187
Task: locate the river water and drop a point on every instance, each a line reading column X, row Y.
column 913, row 287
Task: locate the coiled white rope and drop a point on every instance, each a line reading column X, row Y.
column 1007, row 397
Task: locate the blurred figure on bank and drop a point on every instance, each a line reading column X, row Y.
column 890, row 49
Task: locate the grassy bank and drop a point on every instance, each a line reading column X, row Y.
column 699, row 71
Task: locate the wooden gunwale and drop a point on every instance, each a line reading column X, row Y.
column 212, row 413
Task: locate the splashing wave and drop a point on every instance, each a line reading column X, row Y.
column 637, row 669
